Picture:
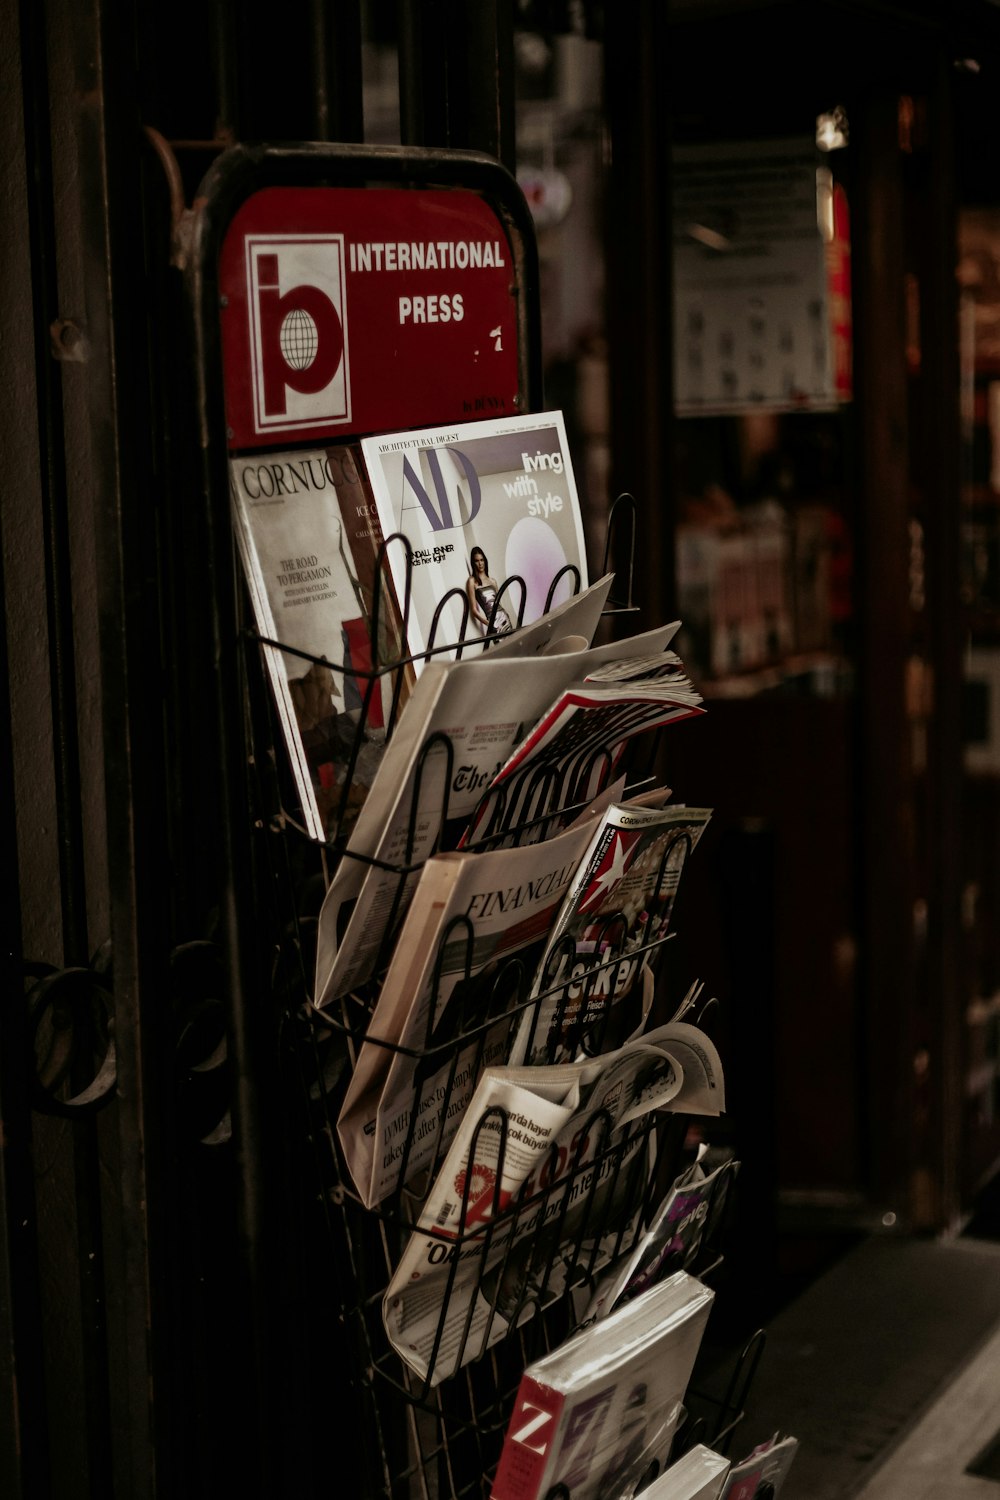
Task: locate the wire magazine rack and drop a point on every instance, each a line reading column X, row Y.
column 540, row 1255
column 543, row 1252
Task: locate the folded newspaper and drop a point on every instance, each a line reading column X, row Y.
column 577, row 744
column 460, row 722
column 617, row 906
column 528, row 1129
column 451, row 970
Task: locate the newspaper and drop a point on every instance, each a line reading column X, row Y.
column 469, row 915
column 577, row 744
column 528, row 1129
column 459, row 724
column 618, row 904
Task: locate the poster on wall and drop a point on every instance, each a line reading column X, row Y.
column 761, row 287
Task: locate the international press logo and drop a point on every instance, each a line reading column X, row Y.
column 298, row 330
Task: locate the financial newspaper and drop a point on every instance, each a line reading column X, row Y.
column 487, row 1229
column 469, row 915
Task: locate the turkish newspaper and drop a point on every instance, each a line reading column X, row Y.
column 532, row 1165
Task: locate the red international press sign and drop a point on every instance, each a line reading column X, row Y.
column 353, row 310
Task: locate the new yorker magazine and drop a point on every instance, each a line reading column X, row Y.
column 491, row 516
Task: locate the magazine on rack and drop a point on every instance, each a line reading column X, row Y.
column 309, row 549
column 699, row 1475
column 490, row 1247
column 450, row 971
column 591, row 1417
column 618, row 905
column 576, row 745
column 459, row 724
column 687, row 1219
column 481, row 505
column 763, row 1472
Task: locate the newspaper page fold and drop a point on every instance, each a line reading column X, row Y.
column 526, row 1129
column 618, row 904
column 461, row 721
column 469, row 914
column 577, row 743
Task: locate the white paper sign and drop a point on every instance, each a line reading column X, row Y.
column 751, row 302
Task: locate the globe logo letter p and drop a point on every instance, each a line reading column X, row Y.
column 301, row 338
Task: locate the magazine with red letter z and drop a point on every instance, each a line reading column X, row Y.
column 593, row 1415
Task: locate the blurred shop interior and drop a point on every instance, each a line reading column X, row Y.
column 828, row 541
column 768, row 236
column 824, row 524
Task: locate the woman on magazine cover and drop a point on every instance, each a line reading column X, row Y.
column 482, row 592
